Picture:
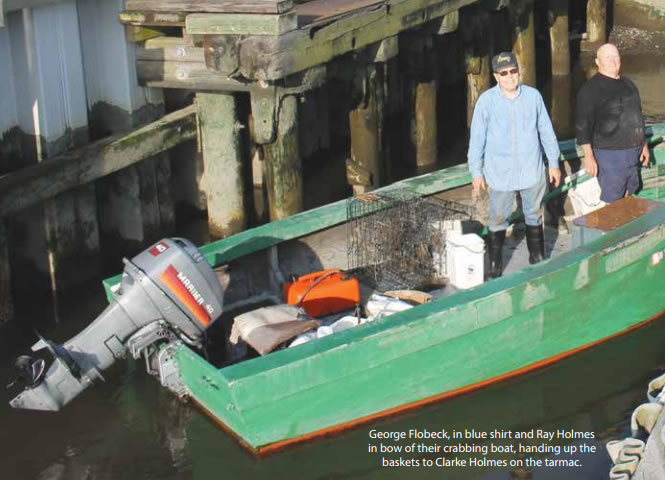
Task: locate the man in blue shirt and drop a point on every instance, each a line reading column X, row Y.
column 509, row 131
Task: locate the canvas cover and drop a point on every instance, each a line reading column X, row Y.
column 266, row 328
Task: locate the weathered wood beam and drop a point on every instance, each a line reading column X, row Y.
column 562, row 117
column 169, row 49
column 190, row 75
column 169, row 62
column 478, row 39
column 217, row 6
column 283, row 164
column 316, row 12
column 264, row 100
column 524, row 39
column 240, row 23
column 223, row 163
column 30, row 185
column 449, row 23
column 426, row 124
column 559, row 37
column 270, row 58
column 365, row 167
column 153, row 19
column 596, row 24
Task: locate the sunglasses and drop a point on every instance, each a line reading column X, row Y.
column 512, row 71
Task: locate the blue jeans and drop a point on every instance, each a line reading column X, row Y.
column 501, row 206
column 618, row 172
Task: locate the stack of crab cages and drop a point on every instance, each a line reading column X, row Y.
column 397, row 240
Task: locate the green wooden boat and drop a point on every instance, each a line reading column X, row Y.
column 522, row 321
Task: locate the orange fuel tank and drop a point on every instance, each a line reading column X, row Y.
column 324, row 292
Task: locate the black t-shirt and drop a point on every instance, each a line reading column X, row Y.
column 609, row 114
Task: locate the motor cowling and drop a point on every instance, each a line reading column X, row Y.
column 167, row 293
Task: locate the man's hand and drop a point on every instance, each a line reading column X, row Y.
column 590, row 165
column 479, row 183
column 555, row 176
column 589, row 161
column 645, row 156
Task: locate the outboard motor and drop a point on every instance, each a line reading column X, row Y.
column 168, row 294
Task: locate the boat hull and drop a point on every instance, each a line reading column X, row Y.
column 499, row 329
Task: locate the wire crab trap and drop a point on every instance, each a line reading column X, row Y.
column 396, row 240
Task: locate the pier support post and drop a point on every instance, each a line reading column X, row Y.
column 223, row 163
column 283, row 166
column 6, row 304
column 596, row 24
column 559, row 40
column 422, row 65
column 364, row 169
column 477, row 36
column 524, row 40
column 561, row 106
column 426, row 124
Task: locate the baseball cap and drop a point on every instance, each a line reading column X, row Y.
column 503, row 60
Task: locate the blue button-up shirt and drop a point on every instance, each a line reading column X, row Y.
column 506, row 139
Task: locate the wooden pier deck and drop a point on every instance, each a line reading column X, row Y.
column 269, row 40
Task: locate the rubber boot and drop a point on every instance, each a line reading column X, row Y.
column 535, row 242
column 495, row 249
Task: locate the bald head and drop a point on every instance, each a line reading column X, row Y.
column 608, row 60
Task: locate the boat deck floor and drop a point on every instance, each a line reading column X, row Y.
column 516, row 254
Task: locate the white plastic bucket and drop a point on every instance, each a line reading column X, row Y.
column 447, row 228
column 465, row 255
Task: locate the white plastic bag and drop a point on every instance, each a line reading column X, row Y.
column 379, row 306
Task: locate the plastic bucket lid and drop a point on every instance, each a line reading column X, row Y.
column 470, row 241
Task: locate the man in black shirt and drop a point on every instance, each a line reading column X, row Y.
column 610, row 128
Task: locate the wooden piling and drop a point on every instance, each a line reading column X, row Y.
column 223, row 158
column 422, row 67
column 283, row 165
column 561, row 106
column 426, row 124
column 559, row 39
column 477, row 36
column 596, row 24
column 364, row 168
column 524, row 40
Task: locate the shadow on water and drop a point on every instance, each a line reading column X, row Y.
column 124, row 428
